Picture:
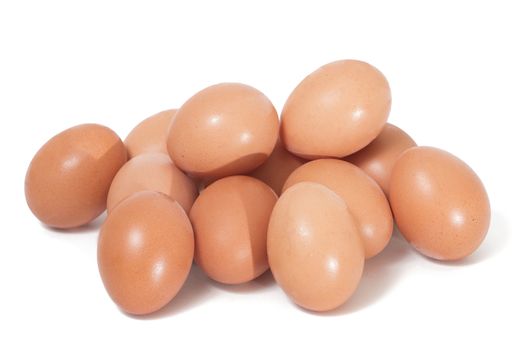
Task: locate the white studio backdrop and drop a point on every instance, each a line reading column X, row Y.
column 456, row 70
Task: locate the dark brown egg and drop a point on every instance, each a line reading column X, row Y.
column 439, row 203
column 68, row 179
column 145, row 252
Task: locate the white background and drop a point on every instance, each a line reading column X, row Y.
column 457, row 76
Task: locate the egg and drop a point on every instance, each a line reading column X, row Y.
column 154, row 172
column 440, row 205
column 314, row 249
column 150, row 135
column 336, row 110
column 277, row 168
column 364, row 198
column 378, row 158
column 67, row 182
column 225, row 129
column 230, row 219
column 145, row 252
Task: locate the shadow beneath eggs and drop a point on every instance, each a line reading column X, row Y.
column 496, row 240
column 194, row 292
column 248, row 162
column 265, row 280
column 380, row 274
column 91, row 227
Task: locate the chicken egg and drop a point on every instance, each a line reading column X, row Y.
column 145, row 252
column 336, row 110
column 150, row 135
column 314, row 248
column 67, row 181
column 378, row 158
column 276, row 169
column 440, row 205
column 230, row 219
column 153, row 172
column 364, row 198
column 225, row 129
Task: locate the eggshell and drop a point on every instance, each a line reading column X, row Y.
column 145, row 252
column 277, row 168
column 154, row 172
column 364, row 198
column 225, row 129
column 314, row 249
column 439, row 203
column 67, row 181
column 150, row 135
column 336, row 110
column 230, row 219
column 378, row 158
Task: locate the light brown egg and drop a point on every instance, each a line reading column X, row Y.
column 439, row 203
column 145, row 252
column 314, row 249
column 150, row 135
column 378, row 158
column 336, row 110
column 277, row 168
column 230, row 219
column 153, row 172
column 225, row 129
column 364, row 198
column 67, row 182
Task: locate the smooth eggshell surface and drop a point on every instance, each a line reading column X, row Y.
column 314, row 249
column 378, row 158
column 440, row 205
column 277, row 168
column 336, row 110
column 230, row 219
column 364, row 198
column 150, row 135
column 225, row 129
column 153, row 172
column 145, row 252
column 67, row 181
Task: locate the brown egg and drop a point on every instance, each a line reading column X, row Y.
column 145, row 252
column 67, row 182
column 378, row 158
column 364, row 198
column 230, row 219
column 150, row 135
column 277, row 168
column 314, row 249
column 225, row 129
column 152, row 172
column 336, row 110
column 439, row 203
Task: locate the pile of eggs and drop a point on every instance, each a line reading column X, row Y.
column 222, row 182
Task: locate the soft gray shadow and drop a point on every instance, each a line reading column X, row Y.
column 496, row 240
column 265, row 280
column 196, row 290
column 380, row 274
column 91, row 227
